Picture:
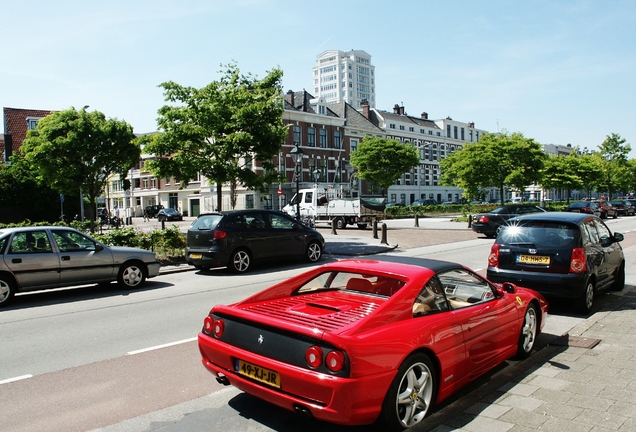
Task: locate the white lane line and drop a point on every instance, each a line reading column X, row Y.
column 18, row 378
column 162, row 346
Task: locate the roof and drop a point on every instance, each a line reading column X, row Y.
column 354, row 118
column 576, row 218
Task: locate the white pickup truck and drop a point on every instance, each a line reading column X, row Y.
column 324, row 206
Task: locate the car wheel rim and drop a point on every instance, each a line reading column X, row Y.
column 132, row 276
column 4, row 291
column 589, row 296
column 529, row 329
column 241, row 261
column 314, row 252
column 414, row 394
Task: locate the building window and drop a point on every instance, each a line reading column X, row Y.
column 336, row 139
column 249, row 201
column 354, row 145
column 311, row 137
column 455, row 132
column 296, row 130
column 392, row 126
column 448, row 131
column 401, row 127
column 323, row 138
column 32, row 122
column 462, row 134
column 153, row 183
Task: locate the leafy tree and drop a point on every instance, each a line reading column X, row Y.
column 494, row 161
column 79, row 150
column 615, row 168
column 562, row 172
column 220, row 130
column 590, row 171
column 381, row 161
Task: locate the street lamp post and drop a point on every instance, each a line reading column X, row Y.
column 297, row 157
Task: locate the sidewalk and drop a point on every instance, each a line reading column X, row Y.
column 585, row 381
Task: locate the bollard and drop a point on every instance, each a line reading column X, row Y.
column 417, row 221
column 163, row 224
column 470, row 221
column 384, row 240
column 375, row 228
column 333, row 227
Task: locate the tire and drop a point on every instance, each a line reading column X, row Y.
column 240, row 261
column 7, row 290
column 528, row 334
column 411, row 395
column 132, row 275
column 584, row 303
column 615, row 215
column 313, row 252
column 603, row 215
column 619, row 279
column 340, row 223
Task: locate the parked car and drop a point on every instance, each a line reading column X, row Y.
column 45, row 257
column 152, row 210
column 607, row 209
column 235, row 239
column 169, row 214
column 421, row 202
column 560, row 255
column 402, row 332
column 623, row 207
column 587, row 207
column 489, row 223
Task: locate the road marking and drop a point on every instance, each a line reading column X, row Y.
column 18, row 378
column 162, row 346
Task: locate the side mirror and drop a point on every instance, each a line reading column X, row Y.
column 98, row 247
column 508, row 287
column 618, row 237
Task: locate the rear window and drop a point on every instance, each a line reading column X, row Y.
column 206, row 222
column 540, row 234
column 579, row 205
column 344, row 281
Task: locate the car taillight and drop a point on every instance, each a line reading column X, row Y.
column 208, row 323
column 335, row 361
column 218, row 327
column 493, row 258
column 313, row 356
column 483, row 219
column 578, row 263
column 218, row 234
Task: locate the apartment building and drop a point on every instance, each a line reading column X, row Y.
column 340, row 76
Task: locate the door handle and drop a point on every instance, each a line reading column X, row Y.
column 66, row 258
column 16, row 260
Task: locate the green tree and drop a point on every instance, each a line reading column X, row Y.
column 590, row 171
column 78, row 151
column 495, row 161
column 220, row 130
column 381, row 161
column 562, row 172
column 615, row 168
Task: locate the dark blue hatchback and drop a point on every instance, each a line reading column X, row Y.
column 560, row 255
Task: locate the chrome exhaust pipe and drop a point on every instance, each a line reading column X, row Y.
column 302, row 410
column 222, row 379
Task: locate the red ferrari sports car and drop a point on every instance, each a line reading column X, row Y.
column 359, row 341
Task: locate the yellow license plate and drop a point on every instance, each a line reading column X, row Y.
column 533, row 259
column 195, row 256
column 258, row 373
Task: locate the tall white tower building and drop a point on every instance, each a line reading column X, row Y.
column 341, row 76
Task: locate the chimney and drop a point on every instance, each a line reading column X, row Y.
column 364, row 104
column 8, row 146
column 290, row 97
column 425, row 115
column 396, row 109
column 471, row 125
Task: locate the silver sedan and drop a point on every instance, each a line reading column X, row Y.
column 46, row 257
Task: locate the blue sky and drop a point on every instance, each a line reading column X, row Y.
column 557, row 71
